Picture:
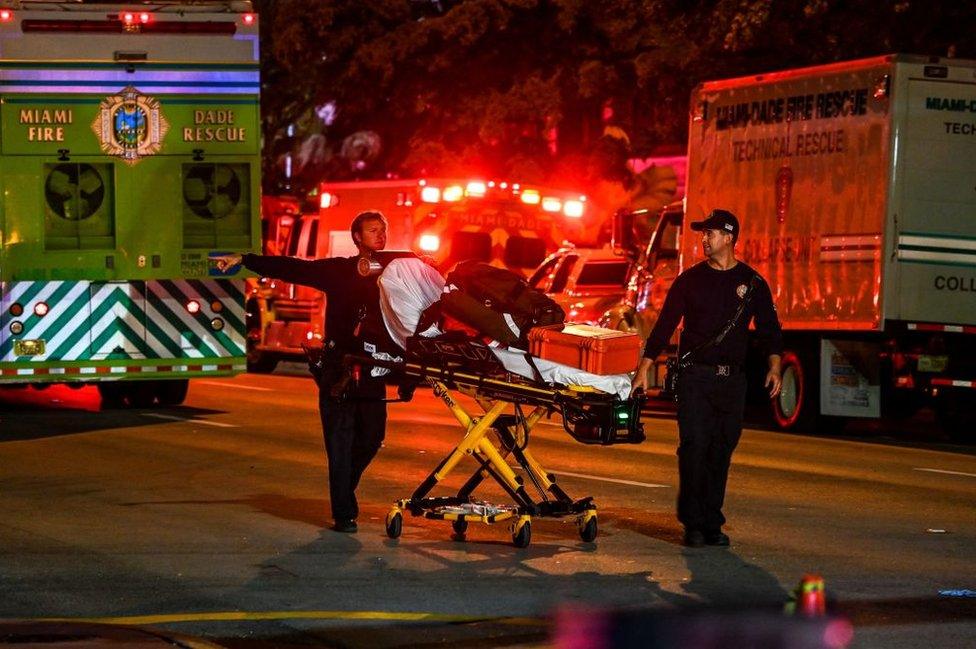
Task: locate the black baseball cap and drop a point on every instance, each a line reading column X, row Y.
column 721, row 220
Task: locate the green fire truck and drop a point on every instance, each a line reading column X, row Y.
column 129, row 157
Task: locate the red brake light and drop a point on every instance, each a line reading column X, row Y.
column 127, row 17
column 16, row 309
column 193, row 306
column 248, row 19
column 6, row 15
column 144, row 17
column 40, row 309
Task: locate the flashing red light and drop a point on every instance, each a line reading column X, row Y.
column 41, row 309
column 248, row 19
column 430, row 194
column 550, row 204
column 573, row 209
column 6, row 15
column 531, row 197
column 127, row 17
column 327, row 200
column 430, row 242
column 16, row 309
column 193, row 306
column 144, row 18
column 453, row 194
column 476, row 188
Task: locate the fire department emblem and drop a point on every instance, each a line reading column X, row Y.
column 740, row 290
column 130, row 125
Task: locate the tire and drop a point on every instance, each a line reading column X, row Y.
column 394, row 524
column 522, row 535
column 172, row 392
column 795, row 408
column 259, row 362
column 588, row 530
column 958, row 422
column 112, row 394
column 142, row 394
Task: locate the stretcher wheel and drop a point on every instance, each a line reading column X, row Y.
column 394, row 524
column 588, row 529
column 460, row 526
column 522, row 534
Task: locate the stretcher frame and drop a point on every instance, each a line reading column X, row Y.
column 489, row 439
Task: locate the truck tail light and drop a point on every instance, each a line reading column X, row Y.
column 41, row 309
column 248, row 19
column 327, row 200
column 6, row 15
column 193, row 306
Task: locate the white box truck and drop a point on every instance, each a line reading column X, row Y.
column 855, row 186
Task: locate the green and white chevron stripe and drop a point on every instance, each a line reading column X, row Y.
column 138, row 320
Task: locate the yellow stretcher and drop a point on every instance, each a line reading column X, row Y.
column 588, row 415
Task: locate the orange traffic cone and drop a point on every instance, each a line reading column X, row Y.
column 808, row 599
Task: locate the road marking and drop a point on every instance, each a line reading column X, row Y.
column 971, row 475
column 231, row 616
column 195, row 421
column 632, row 483
column 236, row 386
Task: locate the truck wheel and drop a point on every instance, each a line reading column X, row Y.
column 795, row 407
column 172, row 392
column 112, row 394
column 956, row 420
column 259, row 362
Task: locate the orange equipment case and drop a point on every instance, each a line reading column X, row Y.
column 592, row 349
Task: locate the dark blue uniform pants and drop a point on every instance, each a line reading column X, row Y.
column 353, row 432
column 710, row 409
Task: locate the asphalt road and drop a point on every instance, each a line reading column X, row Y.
column 211, row 520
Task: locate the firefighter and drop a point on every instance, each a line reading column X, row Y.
column 353, row 412
column 711, row 389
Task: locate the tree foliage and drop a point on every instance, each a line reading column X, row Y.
column 562, row 91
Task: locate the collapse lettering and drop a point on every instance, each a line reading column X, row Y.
column 776, row 110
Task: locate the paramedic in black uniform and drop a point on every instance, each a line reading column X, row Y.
column 353, row 426
column 711, row 392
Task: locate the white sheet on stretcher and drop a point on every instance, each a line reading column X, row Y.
column 408, row 286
